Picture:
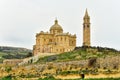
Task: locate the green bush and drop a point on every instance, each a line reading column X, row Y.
column 9, row 77
column 8, row 69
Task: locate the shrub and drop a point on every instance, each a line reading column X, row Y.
column 51, row 58
column 8, row 69
column 9, row 77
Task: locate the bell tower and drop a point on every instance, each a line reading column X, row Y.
column 86, row 30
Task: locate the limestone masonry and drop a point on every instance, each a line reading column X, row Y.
column 86, row 30
column 56, row 41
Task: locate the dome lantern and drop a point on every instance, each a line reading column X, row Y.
column 56, row 28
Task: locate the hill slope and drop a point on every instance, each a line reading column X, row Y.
column 92, row 61
column 81, row 53
column 13, row 52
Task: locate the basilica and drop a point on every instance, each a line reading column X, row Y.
column 54, row 41
column 57, row 41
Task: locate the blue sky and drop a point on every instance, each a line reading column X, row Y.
column 20, row 20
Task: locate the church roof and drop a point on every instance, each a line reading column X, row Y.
column 56, row 26
column 65, row 34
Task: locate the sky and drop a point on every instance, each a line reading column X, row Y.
column 20, row 20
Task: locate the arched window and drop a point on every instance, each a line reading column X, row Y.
column 50, row 40
column 72, row 42
column 61, row 38
column 44, row 39
column 84, row 26
column 65, row 38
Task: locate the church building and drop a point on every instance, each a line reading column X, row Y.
column 54, row 41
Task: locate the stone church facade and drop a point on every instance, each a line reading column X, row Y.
column 54, row 41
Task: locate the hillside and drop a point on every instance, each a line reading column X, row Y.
column 81, row 53
column 13, row 52
column 93, row 62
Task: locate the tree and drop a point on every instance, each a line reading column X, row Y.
column 8, row 69
column 30, row 54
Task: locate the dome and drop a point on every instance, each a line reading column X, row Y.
column 56, row 26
